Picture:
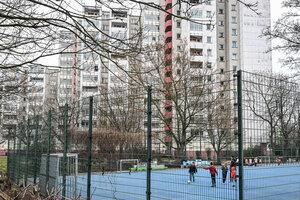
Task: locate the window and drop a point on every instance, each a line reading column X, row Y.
column 209, row 52
column 178, row 12
column 134, row 21
column 233, row 7
column 196, row 38
column 52, row 83
column 208, row 2
column 234, row 56
column 234, row 44
column 178, row 24
column 195, row 27
column 105, row 27
column 178, row 71
column 196, row 65
column 133, row 31
column 221, row 34
column 196, row 13
column 196, row 52
column 221, row 23
column 104, row 80
column 221, row 11
column 221, row 70
column 208, row 26
column 105, row 16
column 208, row 39
column 208, row 14
column 104, row 69
column 233, row 19
column 178, row 36
column 178, row 48
column 234, row 68
column 234, row 32
column 221, row 46
column 208, row 77
column 221, row 58
column 209, row 65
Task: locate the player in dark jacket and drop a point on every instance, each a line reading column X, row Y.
column 192, row 171
column 232, row 164
column 224, row 169
column 213, row 172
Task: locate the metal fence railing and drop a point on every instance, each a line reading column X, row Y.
column 139, row 142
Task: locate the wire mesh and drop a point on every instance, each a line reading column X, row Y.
column 192, row 120
column 271, row 137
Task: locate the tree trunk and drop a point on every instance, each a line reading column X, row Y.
column 181, row 151
column 272, row 145
column 218, row 157
column 285, row 149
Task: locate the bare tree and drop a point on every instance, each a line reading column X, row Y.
column 286, row 102
column 274, row 100
column 219, row 123
column 285, row 32
column 121, row 112
column 179, row 101
column 262, row 102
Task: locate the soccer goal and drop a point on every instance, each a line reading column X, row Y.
column 126, row 164
column 55, row 176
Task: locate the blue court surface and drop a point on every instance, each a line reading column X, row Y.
column 261, row 182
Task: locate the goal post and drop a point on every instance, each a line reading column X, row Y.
column 55, row 174
column 135, row 162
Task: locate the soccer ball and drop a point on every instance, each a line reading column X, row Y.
column 189, row 181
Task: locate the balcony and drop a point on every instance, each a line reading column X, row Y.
column 168, row 57
column 168, row 16
column 168, row 80
column 168, row 2
column 196, row 52
column 168, row 139
column 168, row 25
column 168, row 128
column 168, row 36
column 168, row 115
column 168, row 103
column 168, row 46
column 168, row 69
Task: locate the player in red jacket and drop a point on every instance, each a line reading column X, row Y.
column 233, row 176
column 213, row 172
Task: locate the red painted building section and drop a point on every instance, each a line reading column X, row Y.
column 168, row 70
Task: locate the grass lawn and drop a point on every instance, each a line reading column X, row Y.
column 3, row 164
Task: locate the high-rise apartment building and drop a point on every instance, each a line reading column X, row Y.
column 222, row 35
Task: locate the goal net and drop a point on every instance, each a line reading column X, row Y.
column 127, row 164
column 55, row 176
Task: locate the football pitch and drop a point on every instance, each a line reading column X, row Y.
column 261, row 182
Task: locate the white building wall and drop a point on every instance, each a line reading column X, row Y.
column 253, row 45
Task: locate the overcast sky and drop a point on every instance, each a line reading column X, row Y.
column 276, row 12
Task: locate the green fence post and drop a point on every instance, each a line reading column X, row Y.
column 27, row 151
column 35, row 148
column 240, row 135
column 149, row 147
column 19, row 155
column 8, row 156
column 64, row 166
column 48, row 147
column 14, row 157
column 90, row 149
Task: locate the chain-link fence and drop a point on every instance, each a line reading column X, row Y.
column 140, row 142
